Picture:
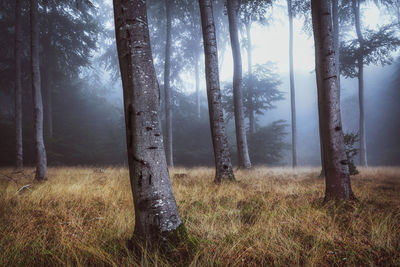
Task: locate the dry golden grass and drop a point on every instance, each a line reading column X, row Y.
column 271, row 216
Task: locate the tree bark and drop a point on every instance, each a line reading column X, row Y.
column 360, row 76
column 18, row 87
column 252, row 124
column 241, row 139
column 223, row 162
column 156, row 214
column 335, row 161
column 41, row 160
column 167, row 89
column 292, row 89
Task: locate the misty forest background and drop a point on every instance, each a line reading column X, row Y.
column 83, row 106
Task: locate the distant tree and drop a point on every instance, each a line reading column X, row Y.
column 241, row 139
column 18, row 86
column 268, row 143
column 264, row 83
column 222, row 155
column 252, row 11
column 167, row 88
column 368, row 48
column 68, row 49
column 292, row 89
column 336, row 168
column 41, row 159
column 156, row 216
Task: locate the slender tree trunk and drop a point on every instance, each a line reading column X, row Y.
column 252, row 124
column 167, row 89
column 335, row 161
column 41, row 160
column 292, row 89
column 222, row 155
column 18, row 87
column 360, row 63
column 156, row 215
column 197, row 74
column 241, row 139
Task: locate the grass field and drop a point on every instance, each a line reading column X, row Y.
column 270, row 216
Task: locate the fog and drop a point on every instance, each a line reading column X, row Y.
column 87, row 103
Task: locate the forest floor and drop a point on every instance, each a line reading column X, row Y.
column 270, row 216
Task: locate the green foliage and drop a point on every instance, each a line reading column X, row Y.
column 259, row 91
column 376, row 49
column 350, row 139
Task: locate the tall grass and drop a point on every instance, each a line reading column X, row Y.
column 270, row 216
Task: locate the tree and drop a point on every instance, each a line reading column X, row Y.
column 292, row 89
column 222, row 155
column 241, row 140
column 41, row 159
column 156, row 215
column 252, row 11
column 337, row 178
column 18, row 86
column 369, row 47
column 167, row 89
column 264, row 83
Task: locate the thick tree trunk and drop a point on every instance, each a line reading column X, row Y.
column 241, row 139
column 335, row 20
column 252, row 124
column 222, row 155
column 197, row 78
column 41, row 160
column 292, row 89
column 360, row 63
column 335, row 161
column 167, row 89
column 156, row 215
column 18, row 87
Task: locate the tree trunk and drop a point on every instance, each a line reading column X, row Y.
column 335, row 161
column 156, row 215
column 41, row 160
column 167, row 89
column 292, row 89
column 18, row 87
column 197, row 74
column 241, row 140
column 220, row 142
column 252, row 124
column 360, row 63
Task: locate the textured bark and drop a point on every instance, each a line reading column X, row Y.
column 167, row 88
column 41, row 160
column 360, row 76
column 18, row 87
column 292, row 89
column 156, row 215
column 335, row 161
column 252, row 124
column 223, row 162
column 241, row 139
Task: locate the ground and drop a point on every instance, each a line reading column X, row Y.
column 270, row 216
